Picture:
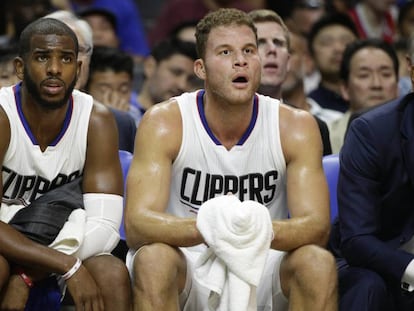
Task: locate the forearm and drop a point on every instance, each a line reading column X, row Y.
column 18, row 249
column 292, row 233
column 151, row 227
column 370, row 252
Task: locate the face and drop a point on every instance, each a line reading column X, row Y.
column 372, row 80
column 329, row 45
column 297, row 63
column 49, row 70
column 103, row 32
column 109, row 87
column 170, row 77
column 7, row 75
column 273, row 51
column 231, row 67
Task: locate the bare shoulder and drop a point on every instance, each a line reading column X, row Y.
column 161, row 126
column 299, row 131
column 100, row 113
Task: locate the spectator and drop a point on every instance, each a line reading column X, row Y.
column 61, row 149
column 369, row 73
column 103, row 24
column 274, row 49
column 169, row 71
column 204, row 144
column 110, row 79
column 327, row 41
column 375, row 19
column 293, row 88
column 373, row 238
column 7, row 74
column 130, row 30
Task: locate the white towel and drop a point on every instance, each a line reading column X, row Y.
column 239, row 236
column 71, row 235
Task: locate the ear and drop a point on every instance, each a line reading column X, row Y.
column 344, row 91
column 200, row 69
column 19, row 67
column 150, row 66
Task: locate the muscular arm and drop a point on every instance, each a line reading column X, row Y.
column 307, row 191
column 148, row 185
column 102, row 173
column 102, row 185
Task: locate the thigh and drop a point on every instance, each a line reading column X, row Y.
column 362, row 289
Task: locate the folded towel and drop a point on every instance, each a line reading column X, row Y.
column 239, row 236
column 71, row 235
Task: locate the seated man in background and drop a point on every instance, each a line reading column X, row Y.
column 369, row 74
column 60, row 163
column 275, row 52
column 7, row 75
column 374, row 238
column 168, row 71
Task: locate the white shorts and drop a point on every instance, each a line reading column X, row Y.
column 194, row 296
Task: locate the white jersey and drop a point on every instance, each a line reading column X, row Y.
column 27, row 171
column 254, row 169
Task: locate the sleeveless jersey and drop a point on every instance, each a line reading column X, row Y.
column 254, row 169
column 27, row 171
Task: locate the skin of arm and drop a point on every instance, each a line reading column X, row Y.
column 18, row 249
column 156, row 146
column 102, row 173
column 307, row 190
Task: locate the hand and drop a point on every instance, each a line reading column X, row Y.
column 84, row 291
column 15, row 295
column 115, row 100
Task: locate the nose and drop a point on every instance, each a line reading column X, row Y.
column 54, row 66
column 240, row 59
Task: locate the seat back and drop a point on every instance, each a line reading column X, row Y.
column 125, row 157
column 331, row 169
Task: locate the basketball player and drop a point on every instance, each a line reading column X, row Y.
column 227, row 138
column 50, row 135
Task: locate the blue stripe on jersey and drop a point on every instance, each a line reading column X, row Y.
column 17, row 96
column 200, row 106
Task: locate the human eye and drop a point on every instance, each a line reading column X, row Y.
column 67, row 59
column 279, row 43
column 41, row 58
column 225, row 52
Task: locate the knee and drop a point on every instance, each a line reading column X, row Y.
column 312, row 264
column 155, row 260
column 109, row 270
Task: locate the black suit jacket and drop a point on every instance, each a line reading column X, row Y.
column 375, row 190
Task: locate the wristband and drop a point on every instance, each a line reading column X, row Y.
column 26, row 279
column 72, row 270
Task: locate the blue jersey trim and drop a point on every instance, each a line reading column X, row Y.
column 66, row 122
column 243, row 139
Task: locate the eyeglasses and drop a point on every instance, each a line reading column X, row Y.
column 85, row 49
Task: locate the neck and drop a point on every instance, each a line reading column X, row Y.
column 297, row 98
column 144, row 98
column 271, row 90
column 227, row 121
